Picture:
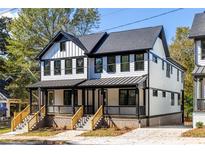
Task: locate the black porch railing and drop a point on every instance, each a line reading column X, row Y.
column 200, row 105
column 61, row 109
column 124, row 110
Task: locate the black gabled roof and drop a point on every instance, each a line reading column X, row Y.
column 198, row 26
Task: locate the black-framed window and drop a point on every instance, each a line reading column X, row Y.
column 171, row 69
column 79, row 65
column 127, row 96
column 163, row 93
column 177, row 75
column 182, row 77
column 67, row 97
column 57, row 67
column 139, row 62
column 111, row 64
column 125, row 63
column 168, row 71
column 154, row 58
column 68, row 66
column 163, row 64
column 98, row 65
column 155, row 93
column 203, row 49
column 179, row 99
column 172, row 99
column 51, row 98
column 63, row 46
column 47, row 68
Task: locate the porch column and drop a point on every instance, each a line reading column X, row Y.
column 30, row 100
column 46, row 101
column 102, row 99
column 73, row 104
column 93, row 99
column 39, row 99
column 138, row 105
column 83, row 99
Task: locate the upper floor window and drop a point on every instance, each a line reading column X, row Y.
column 162, row 64
column 155, row 93
column 125, row 63
column 163, row 93
column 182, row 77
column 47, row 67
column 177, row 75
column 68, row 66
column 57, row 67
column 179, row 99
column 79, row 65
column 111, row 64
column 139, row 62
column 154, row 58
column 62, row 46
column 98, row 65
column 171, row 69
column 203, row 49
column 172, row 98
column 168, row 70
column 127, row 96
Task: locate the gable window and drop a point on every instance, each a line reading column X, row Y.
column 179, row 99
column 47, row 68
column 154, row 58
column 172, row 99
column 98, row 65
column 139, row 62
column 125, row 63
column 111, row 64
column 203, row 49
column 168, row 70
column 57, row 67
column 155, row 93
column 68, row 66
column 62, row 46
column 163, row 94
column 127, row 96
column 162, row 64
column 177, row 75
column 79, row 65
column 50, row 97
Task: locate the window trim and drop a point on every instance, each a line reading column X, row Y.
column 44, row 64
column 135, row 62
column 153, row 93
column 79, row 68
column 164, row 94
column 96, row 65
column 154, row 58
column 63, row 42
column 113, row 56
column 172, row 99
column 163, row 62
column 51, row 91
column 202, row 55
column 168, row 73
column 127, row 97
column 177, row 75
column 179, row 98
column 122, row 63
column 55, row 68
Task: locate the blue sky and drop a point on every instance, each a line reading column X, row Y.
column 114, row 17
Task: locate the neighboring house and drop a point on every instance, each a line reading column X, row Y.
column 130, row 73
column 198, row 34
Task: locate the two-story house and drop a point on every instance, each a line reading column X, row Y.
column 198, row 34
column 127, row 77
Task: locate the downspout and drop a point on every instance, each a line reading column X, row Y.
column 148, row 85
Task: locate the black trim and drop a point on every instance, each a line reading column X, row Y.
column 121, row 63
column 95, row 64
column 73, row 57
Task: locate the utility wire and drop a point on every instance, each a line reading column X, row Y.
column 141, row 20
column 114, row 12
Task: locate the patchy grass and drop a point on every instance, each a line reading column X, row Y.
column 106, row 132
column 4, row 130
column 197, row 132
column 43, row 132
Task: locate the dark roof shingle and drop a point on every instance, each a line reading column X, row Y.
column 198, row 26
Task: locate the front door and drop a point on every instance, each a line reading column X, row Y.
column 102, row 97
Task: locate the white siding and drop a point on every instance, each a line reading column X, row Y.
column 198, row 60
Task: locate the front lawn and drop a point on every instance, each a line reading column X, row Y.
column 4, row 130
column 197, row 132
column 106, row 132
column 43, row 132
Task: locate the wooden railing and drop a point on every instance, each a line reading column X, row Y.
column 96, row 117
column 36, row 118
column 19, row 118
column 76, row 117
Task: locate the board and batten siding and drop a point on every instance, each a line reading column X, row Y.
column 72, row 51
column 198, row 52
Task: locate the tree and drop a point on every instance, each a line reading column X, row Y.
column 31, row 31
column 182, row 50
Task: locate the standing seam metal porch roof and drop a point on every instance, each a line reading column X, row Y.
column 199, row 71
column 115, row 81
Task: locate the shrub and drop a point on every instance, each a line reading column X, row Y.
column 199, row 124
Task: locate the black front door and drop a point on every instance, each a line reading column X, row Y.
column 102, row 97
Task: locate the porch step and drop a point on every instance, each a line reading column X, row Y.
column 84, row 123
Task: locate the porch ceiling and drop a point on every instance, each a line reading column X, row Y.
column 115, row 81
column 199, row 71
column 57, row 83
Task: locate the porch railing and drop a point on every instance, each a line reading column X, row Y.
column 62, row 109
column 200, row 105
column 76, row 117
column 96, row 117
column 124, row 110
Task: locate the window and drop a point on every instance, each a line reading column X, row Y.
column 154, row 58
column 47, row 67
column 67, row 97
column 111, row 64
column 125, row 63
column 203, row 49
column 168, row 70
column 182, row 77
column 62, row 46
column 98, row 65
column 177, row 75
column 171, row 70
column 163, row 94
column 68, row 66
column 127, row 96
column 172, row 99
column 155, row 93
column 139, row 62
column 79, row 65
column 50, row 97
column 57, row 67
column 179, row 99
column 162, row 64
